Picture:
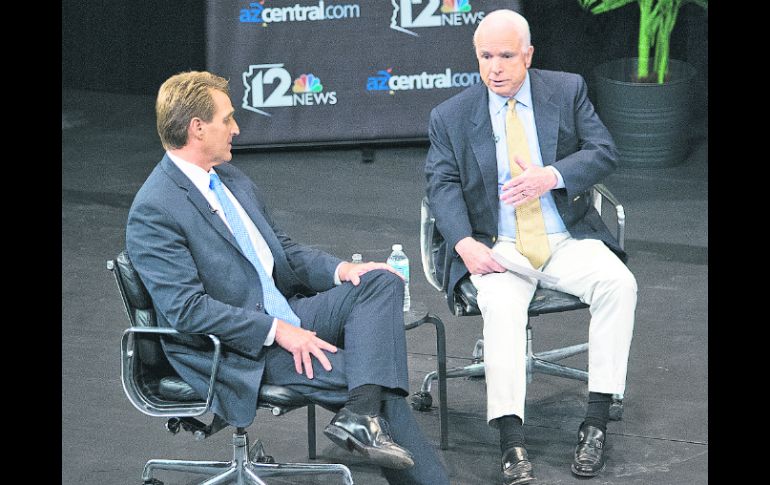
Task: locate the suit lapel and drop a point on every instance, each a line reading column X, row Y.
column 483, row 144
column 240, row 189
column 546, row 117
column 198, row 201
column 248, row 203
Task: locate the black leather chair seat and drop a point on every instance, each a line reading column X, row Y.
column 282, row 396
column 174, row 388
column 544, row 301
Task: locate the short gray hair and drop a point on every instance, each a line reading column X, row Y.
column 518, row 20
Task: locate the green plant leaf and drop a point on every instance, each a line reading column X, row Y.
column 657, row 19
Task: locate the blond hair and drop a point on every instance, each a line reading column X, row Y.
column 181, row 98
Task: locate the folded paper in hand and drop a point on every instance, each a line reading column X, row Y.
column 523, row 270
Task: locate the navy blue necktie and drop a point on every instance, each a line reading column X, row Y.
column 275, row 303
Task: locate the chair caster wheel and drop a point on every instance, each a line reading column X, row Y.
column 264, row 459
column 257, row 454
column 616, row 410
column 421, row 401
column 152, row 481
column 172, row 426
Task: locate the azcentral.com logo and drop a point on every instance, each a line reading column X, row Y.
column 258, row 13
column 307, row 89
column 452, row 13
column 385, row 80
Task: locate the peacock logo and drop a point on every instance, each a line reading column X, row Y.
column 307, row 83
column 455, row 6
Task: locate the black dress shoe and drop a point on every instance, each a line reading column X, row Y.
column 369, row 436
column 589, row 453
column 517, row 469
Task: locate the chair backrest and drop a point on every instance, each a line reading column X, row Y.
column 139, row 309
column 432, row 251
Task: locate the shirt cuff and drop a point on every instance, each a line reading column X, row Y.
column 271, row 334
column 559, row 179
column 337, row 280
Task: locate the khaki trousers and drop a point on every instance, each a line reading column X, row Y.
column 587, row 269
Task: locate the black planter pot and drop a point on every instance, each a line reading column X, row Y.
column 649, row 122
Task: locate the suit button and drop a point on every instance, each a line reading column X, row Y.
column 259, row 306
column 494, row 238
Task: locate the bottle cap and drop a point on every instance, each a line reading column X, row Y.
column 397, row 247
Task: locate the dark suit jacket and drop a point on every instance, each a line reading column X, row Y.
column 200, row 281
column 461, row 167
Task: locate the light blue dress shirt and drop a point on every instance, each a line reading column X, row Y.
column 506, row 222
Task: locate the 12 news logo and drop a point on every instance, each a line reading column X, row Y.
column 306, row 90
column 435, row 14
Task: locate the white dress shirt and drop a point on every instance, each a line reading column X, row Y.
column 498, row 105
column 201, row 179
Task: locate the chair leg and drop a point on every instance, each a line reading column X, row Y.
column 241, row 470
column 225, row 477
column 311, row 432
column 186, row 466
column 422, row 400
column 249, row 471
column 558, row 370
column 252, row 477
column 562, row 353
column 292, row 469
column 543, row 362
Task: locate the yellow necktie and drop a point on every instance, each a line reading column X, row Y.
column 531, row 238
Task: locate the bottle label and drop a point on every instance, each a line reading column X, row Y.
column 403, row 269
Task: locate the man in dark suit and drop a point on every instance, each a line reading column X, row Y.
column 509, row 169
column 214, row 261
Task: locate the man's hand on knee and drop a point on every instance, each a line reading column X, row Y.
column 353, row 272
column 302, row 344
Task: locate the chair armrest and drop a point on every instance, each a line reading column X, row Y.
column 138, row 398
column 599, row 191
column 427, row 234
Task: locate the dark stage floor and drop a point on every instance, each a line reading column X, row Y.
column 329, row 199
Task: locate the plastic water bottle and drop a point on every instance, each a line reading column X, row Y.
column 357, row 259
column 398, row 261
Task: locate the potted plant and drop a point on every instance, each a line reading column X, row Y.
column 645, row 101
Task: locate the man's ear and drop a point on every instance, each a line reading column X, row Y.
column 196, row 128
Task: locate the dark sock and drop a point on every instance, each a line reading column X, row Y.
column 598, row 412
column 365, row 399
column 511, row 431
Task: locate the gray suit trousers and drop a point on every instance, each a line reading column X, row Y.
column 366, row 323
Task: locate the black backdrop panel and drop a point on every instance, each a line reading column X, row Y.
column 343, row 71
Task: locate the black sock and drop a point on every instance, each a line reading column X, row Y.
column 598, row 412
column 365, row 399
column 511, row 431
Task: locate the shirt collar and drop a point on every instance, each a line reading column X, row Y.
column 523, row 96
column 199, row 177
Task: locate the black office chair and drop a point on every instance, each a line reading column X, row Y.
column 155, row 389
column 464, row 303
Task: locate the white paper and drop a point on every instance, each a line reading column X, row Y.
column 523, row 270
